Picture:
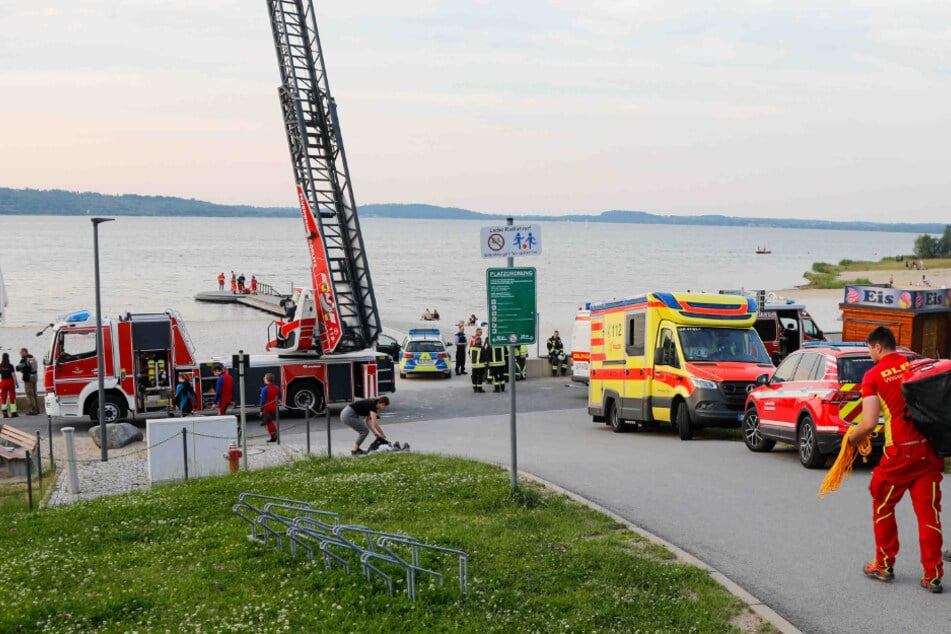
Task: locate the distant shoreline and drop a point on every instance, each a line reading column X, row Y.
column 35, row 202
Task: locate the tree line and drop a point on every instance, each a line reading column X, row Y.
column 928, row 246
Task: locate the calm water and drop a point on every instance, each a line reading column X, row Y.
column 152, row 264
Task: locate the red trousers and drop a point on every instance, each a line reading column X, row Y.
column 916, row 469
column 8, row 393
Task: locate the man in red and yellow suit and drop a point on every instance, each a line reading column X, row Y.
column 909, row 463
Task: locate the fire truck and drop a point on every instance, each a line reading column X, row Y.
column 323, row 351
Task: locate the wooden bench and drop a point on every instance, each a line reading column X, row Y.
column 18, row 437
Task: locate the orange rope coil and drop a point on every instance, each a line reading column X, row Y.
column 841, row 469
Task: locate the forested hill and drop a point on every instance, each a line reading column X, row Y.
column 61, row 202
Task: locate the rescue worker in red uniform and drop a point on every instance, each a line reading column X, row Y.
column 221, row 281
column 270, row 396
column 909, row 463
column 224, row 389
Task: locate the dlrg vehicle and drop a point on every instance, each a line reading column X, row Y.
column 810, row 401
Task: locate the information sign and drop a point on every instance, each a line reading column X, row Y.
column 511, row 301
column 511, row 240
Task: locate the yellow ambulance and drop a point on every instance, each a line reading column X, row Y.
column 688, row 359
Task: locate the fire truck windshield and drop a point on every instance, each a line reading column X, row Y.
column 722, row 344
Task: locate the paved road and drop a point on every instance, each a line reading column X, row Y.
column 753, row 517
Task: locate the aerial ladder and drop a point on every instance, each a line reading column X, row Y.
column 338, row 312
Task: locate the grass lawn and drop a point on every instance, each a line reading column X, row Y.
column 175, row 559
column 825, row 275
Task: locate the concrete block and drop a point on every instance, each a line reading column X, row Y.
column 207, row 439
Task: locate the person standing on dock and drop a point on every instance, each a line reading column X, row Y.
column 221, row 281
column 224, row 389
column 241, row 283
column 254, row 285
column 234, row 284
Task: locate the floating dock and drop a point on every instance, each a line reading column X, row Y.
column 268, row 303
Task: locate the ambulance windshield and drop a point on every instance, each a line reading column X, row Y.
column 722, row 344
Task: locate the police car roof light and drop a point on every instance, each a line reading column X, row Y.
column 424, row 331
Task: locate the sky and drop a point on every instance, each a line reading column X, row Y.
column 825, row 109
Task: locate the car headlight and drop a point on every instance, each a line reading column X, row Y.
column 704, row 384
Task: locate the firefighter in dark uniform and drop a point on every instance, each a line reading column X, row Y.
column 477, row 362
column 499, row 367
column 460, row 340
column 556, row 355
column 521, row 361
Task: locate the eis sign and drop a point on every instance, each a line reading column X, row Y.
column 939, row 299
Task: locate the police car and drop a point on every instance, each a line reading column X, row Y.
column 424, row 352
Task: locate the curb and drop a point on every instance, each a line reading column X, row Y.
column 761, row 609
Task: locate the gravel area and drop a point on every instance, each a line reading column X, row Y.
column 127, row 468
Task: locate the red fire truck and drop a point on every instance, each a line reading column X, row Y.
column 145, row 352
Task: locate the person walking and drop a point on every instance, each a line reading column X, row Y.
column 499, row 367
column 185, row 398
column 270, row 398
column 477, row 362
column 224, row 389
column 909, row 463
column 28, row 372
column 556, row 355
column 221, row 281
column 362, row 417
column 8, row 386
column 460, row 340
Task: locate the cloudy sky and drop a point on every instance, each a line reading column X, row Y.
column 809, row 109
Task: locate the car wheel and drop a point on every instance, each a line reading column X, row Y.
column 753, row 435
column 809, row 454
column 682, row 418
column 617, row 424
column 114, row 410
column 306, row 397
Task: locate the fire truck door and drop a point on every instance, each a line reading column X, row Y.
column 75, row 359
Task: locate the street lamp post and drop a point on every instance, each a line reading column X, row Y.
column 100, row 359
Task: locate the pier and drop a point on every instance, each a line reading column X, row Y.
column 269, row 302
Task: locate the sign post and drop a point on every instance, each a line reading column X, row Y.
column 510, row 295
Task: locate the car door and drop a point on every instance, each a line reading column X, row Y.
column 774, row 402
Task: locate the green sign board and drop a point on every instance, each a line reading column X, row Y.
column 511, row 299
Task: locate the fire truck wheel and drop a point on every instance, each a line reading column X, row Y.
column 753, row 435
column 682, row 419
column 115, row 409
column 618, row 425
column 809, row 454
column 307, row 396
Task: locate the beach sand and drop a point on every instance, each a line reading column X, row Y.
column 823, row 303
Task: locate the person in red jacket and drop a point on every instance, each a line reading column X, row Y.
column 221, row 281
column 270, row 397
column 224, row 389
column 909, row 463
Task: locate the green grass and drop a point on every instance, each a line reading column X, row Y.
column 175, row 559
column 14, row 496
column 825, row 275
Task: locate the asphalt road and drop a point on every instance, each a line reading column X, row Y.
column 753, row 517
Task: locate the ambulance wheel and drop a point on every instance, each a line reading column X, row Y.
column 682, row 421
column 753, row 435
column 618, row 425
column 809, row 454
column 304, row 397
column 115, row 410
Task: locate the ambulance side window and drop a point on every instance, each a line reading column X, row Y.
column 634, row 337
column 668, row 350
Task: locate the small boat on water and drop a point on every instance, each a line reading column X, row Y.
column 762, row 250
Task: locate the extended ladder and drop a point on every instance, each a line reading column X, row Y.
column 347, row 317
